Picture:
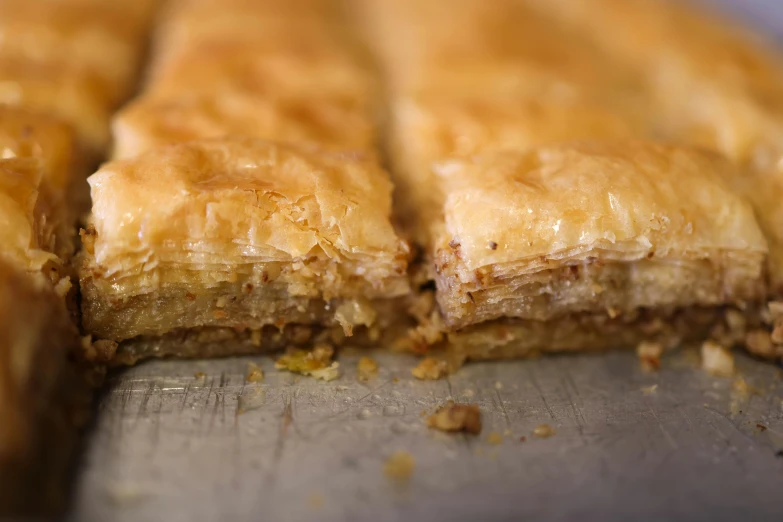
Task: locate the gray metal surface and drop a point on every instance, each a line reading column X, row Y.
column 173, row 446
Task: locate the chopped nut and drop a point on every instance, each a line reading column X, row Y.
column 495, row 438
column 456, row 417
column 650, row 355
column 316, row 363
column 775, row 310
column 758, row 342
column 400, row 466
column 254, row 373
column 716, row 360
column 543, row 431
column 367, row 368
column 255, row 338
column 430, row 368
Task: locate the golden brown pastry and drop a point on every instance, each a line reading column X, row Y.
column 149, row 123
column 216, row 74
column 239, row 233
column 40, row 395
column 593, row 228
column 74, row 59
column 536, row 242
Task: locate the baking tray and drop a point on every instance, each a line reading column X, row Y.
column 193, row 441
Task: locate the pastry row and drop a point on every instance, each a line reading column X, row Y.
column 560, row 183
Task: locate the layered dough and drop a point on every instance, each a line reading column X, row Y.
column 74, row 59
column 534, row 172
column 593, row 228
column 239, row 233
column 37, row 187
column 42, row 392
column 269, row 69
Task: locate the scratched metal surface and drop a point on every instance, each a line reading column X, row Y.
column 172, row 446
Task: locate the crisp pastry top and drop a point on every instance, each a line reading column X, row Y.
column 721, row 80
column 67, row 35
column 149, row 122
column 28, row 239
column 27, row 134
column 503, row 47
column 188, row 23
column 545, row 208
column 312, row 69
column 243, row 200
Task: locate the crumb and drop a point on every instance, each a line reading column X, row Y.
column 650, row 355
column 316, row 363
column 399, row 466
column 430, row 369
column 254, row 373
column 647, row 390
column 507, row 432
column 199, row 375
column 367, row 368
column 456, row 417
column 759, row 342
column 316, row 500
column 522, row 439
column 395, row 380
column 495, row 438
column 761, row 428
column 423, row 413
column 468, row 393
column 716, row 360
column 543, row 431
column 492, row 245
column 498, row 385
column 100, row 351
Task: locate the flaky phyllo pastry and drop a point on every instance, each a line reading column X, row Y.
column 239, row 234
column 609, row 234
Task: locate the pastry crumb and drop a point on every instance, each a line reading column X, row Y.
column 498, row 385
column 649, row 354
column 495, row 438
column 199, row 375
column 716, row 360
column 315, row 363
column 254, row 373
column 431, row 369
column 543, row 431
column 522, row 439
column 399, row 466
column 647, row 390
column 367, row 368
column 454, row 417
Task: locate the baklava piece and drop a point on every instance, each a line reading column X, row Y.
column 43, row 398
column 591, row 245
column 73, row 59
column 238, row 245
column 208, row 81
